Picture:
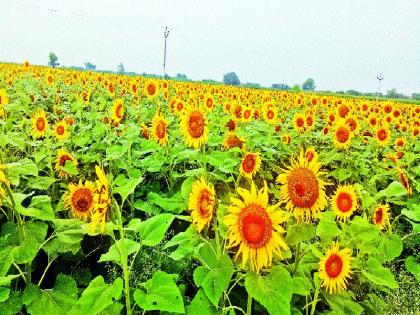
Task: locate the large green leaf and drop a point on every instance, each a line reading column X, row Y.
column 273, row 291
column 97, row 297
column 68, row 235
column 160, row 293
column 379, row 274
column 174, row 204
column 153, row 230
column 201, row 305
column 56, row 301
column 343, row 304
column 300, row 232
column 186, row 241
column 327, row 228
column 114, row 253
column 128, row 188
column 413, row 267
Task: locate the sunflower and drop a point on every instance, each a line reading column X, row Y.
column 400, row 142
column 3, row 98
column 102, row 201
column 151, row 89
column 404, row 180
column 334, row 268
column 247, row 114
column 255, row 227
column 49, row 79
column 201, row 203
column 342, row 135
column 311, row 154
column 344, row 202
column 62, row 157
column 39, row 124
column 233, row 141
column 3, row 181
column 117, row 111
column 299, row 122
column 209, row 102
column 250, row 164
column 80, row 199
column 303, row 189
column 144, row 131
column 194, row 126
column 381, row 217
column 286, row 138
column 160, row 129
column 60, row 130
column 270, row 113
column 383, row 136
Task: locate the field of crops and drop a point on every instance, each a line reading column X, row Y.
column 129, row 195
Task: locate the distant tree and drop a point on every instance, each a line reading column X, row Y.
column 394, row 94
column 90, row 66
column 52, row 59
column 295, row 88
column 231, row 78
column 181, row 76
column 280, row 86
column 353, row 92
column 251, row 85
column 309, row 85
column 415, row 96
column 120, row 68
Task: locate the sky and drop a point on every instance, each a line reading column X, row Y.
column 340, row 44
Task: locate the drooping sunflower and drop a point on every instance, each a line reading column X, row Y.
column 60, row 130
column 381, row 217
column 117, row 111
column 202, row 201
column 4, row 99
column 344, row 202
column 299, row 122
column 383, row 135
column 342, row 135
column 62, row 157
column 311, row 154
column 402, row 175
column 256, row 227
column 102, row 201
column 151, row 89
column 80, row 199
column 160, row 129
column 233, row 141
column 335, row 269
column 194, row 126
column 250, row 164
column 39, row 124
column 302, row 188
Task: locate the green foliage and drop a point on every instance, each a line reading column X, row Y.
column 231, row 78
column 308, row 85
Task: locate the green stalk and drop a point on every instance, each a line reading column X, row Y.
column 315, row 300
column 124, row 265
column 297, row 259
column 249, row 305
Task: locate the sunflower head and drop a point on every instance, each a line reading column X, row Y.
column 381, row 217
column 335, row 269
column 250, row 164
column 202, row 201
column 39, row 124
column 160, row 129
column 302, row 188
column 117, row 111
column 382, row 135
column 60, row 130
column 255, row 228
column 233, row 141
column 102, row 201
column 62, row 157
column 344, row 202
column 299, row 122
column 194, row 126
column 80, row 199
column 3, row 98
column 342, row 135
column 151, row 89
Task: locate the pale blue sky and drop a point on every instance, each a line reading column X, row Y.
column 341, row 44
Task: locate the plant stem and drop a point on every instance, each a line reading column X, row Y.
column 297, row 259
column 124, row 265
column 315, row 300
column 249, row 305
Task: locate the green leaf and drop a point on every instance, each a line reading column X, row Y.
column 186, row 241
column 35, row 232
column 4, row 294
column 186, row 188
column 5, row 281
column 115, row 152
column 97, row 297
column 153, row 230
column 70, row 168
column 25, row 167
column 343, row 304
column 413, row 213
column 201, row 305
column 12, row 305
column 379, row 274
column 215, row 280
column 173, row 204
column 341, row 174
column 413, row 267
column 39, row 208
column 69, row 234
column 160, row 293
column 301, row 286
column 273, row 291
column 41, row 182
column 82, row 139
column 300, row 232
column 56, row 301
column 128, row 188
column 395, row 189
column 390, row 248
column 114, row 254
column 327, row 228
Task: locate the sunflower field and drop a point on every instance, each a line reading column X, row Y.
column 130, row 195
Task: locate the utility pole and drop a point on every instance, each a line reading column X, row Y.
column 165, row 34
column 380, row 77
